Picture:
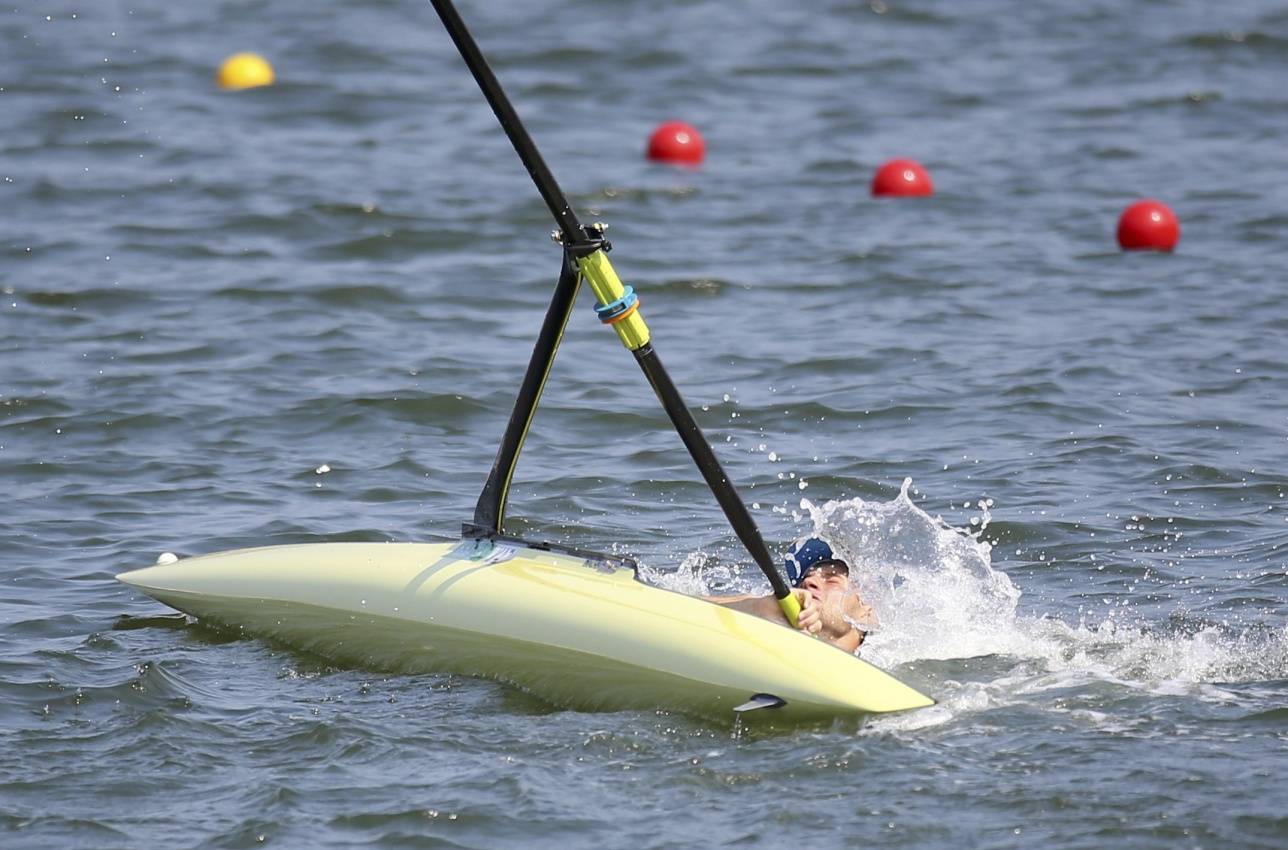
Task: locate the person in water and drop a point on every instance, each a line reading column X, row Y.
column 830, row 603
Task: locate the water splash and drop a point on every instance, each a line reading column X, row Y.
column 933, row 586
column 938, row 598
column 700, row 574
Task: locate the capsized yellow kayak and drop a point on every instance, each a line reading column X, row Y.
column 581, row 632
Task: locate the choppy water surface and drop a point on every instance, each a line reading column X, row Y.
column 209, row 296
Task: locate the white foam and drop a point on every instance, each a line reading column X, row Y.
column 938, row 598
column 698, row 575
column 934, row 587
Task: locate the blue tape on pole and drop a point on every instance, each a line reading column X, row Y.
column 608, row 312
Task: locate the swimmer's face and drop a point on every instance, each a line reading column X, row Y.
column 825, row 577
column 824, row 582
column 837, row 598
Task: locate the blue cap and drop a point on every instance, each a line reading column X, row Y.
column 803, row 555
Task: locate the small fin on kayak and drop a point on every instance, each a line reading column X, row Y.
column 760, row 701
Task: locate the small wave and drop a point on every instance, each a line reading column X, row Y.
column 441, row 408
column 175, row 622
column 391, row 244
column 669, row 194
column 690, row 286
column 575, row 58
column 356, row 295
column 146, row 685
column 1228, row 40
column 101, row 299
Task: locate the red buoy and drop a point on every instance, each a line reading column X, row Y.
column 902, row 178
column 1148, row 225
column 676, row 142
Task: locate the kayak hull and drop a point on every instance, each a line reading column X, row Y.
column 579, row 632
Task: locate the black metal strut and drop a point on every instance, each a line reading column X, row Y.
column 489, row 513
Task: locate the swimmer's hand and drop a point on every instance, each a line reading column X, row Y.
column 810, row 620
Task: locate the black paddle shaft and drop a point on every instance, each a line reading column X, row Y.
column 523, row 144
column 700, row 450
column 577, row 241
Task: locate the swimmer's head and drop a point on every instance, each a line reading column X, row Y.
column 807, row 555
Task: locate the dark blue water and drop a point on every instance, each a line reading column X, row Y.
column 208, row 296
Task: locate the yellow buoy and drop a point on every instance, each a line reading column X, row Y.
column 244, row 71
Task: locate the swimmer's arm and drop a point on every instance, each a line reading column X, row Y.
column 767, row 607
column 761, row 606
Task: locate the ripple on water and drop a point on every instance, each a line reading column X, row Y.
column 346, row 269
